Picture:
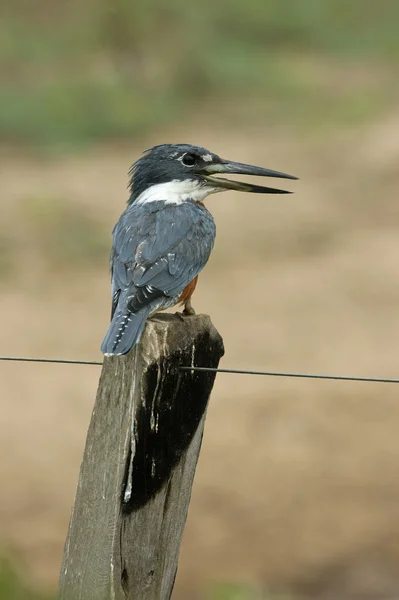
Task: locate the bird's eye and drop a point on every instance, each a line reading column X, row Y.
column 189, row 160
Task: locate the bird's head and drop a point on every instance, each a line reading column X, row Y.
column 176, row 172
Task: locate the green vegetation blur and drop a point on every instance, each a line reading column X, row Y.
column 79, row 72
column 13, row 587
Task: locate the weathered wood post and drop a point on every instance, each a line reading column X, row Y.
column 138, row 467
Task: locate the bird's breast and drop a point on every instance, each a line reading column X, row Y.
column 188, row 290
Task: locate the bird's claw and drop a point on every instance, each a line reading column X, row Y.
column 188, row 309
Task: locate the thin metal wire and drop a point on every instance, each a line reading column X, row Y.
column 62, row 361
column 302, row 375
column 213, row 370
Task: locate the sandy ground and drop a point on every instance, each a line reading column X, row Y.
column 297, row 481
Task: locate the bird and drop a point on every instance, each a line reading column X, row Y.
column 165, row 236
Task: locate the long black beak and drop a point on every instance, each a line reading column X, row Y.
column 226, row 166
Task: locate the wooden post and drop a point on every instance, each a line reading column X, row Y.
column 139, row 462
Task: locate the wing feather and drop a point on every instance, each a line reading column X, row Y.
column 158, row 250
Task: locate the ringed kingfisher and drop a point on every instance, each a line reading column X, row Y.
column 165, row 236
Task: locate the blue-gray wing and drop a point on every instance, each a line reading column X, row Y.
column 158, row 249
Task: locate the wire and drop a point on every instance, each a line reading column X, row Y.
column 213, row 370
column 302, row 375
column 62, row 361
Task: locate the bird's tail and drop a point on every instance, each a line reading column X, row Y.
column 124, row 331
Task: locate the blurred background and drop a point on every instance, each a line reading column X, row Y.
column 296, row 494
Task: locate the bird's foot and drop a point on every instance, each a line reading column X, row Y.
column 188, row 309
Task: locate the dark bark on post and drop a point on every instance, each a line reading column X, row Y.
column 134, row 488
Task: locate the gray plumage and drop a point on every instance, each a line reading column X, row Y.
column 165, row 236
column 158, row 249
